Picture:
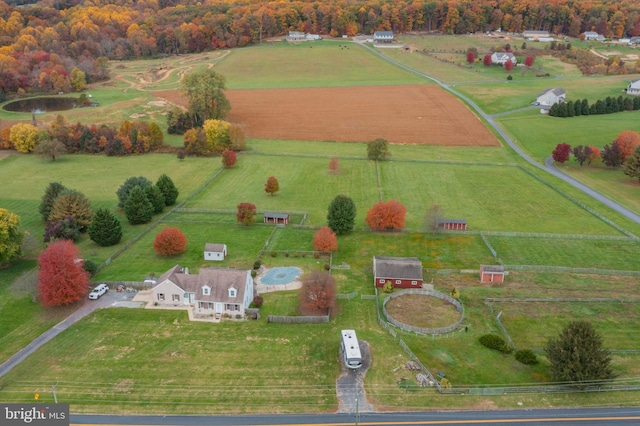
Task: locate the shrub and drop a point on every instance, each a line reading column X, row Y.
column 316, row 255
column 257, row 301
column 327, row 266
column 387, row 287
column 238, row 316
column 527, row 357
column 170, row 242
column 296, row 254
column 90, row 266
column 493, row 341
column 274, row 253
column 257, row 264
column 254, row 273
column 304, row 254
column 286, row 254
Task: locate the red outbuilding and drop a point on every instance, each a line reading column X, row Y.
column 491, row 273
column 403, row 272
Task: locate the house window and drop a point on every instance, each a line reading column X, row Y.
column 206, row 291
column 201, row 305
column 381, row 281
column 398, row 282
column 232, row 292
column 414, row 282
column 160, row 296
column 236, row 307
column 227, row 307
column 176, row 297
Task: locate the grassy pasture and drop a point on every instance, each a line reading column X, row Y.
column 317, row 64
column 575, row 253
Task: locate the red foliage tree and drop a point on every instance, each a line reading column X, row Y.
column 61, row 278
column 272, row 186
column 561, row 153
column 325, row 240
column 471, row 56
column 528, row 61
column 508, row 65
column 487, row 60
column 595, row 154
column 170, row 242
column 388, row 215
column 627, row 142
column 318, row 293
column 246, row 213
column 334, row 165
column 228, row 158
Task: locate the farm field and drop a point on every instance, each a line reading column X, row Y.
column 486, row 184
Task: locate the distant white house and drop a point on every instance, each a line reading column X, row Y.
column 313, row 37
column 592, row 35
column 502, row 57
column 296, row 36
column 535, row 34
column 634, row 40
column 551, row 96
column 634, row 87
column 215, row 251
column 383, row 36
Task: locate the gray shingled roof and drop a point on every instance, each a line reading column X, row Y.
column 409, row 268
column 492, row 268
column 218, row 248
column 219, row 279
column 276, row 215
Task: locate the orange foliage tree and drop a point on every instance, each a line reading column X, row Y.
column 325, row 240
column 228, row 158
column 272, row 186
column 627, row 142
column 62, row 279
column 170, row 242
column 334, row 165
column 318, row 293
column 246, row 213
column 386, row 216
column 595, row 154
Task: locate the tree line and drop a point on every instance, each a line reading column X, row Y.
column 42, row 43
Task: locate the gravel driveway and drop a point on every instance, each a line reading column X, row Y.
column 350, row 385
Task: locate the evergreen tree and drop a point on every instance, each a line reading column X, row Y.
column 562, row 110
column 168, row 189
column 577, row 355
column 632, row 164
column 571, row 110
column 585, row 106
column 154, row 194
column 636, row 103
column 378, row 149
column 553, row 111
column 128, row 185
column 105, row 229
column 138, row 208
column 577, row 108
column 342, row 215
column 50, row 194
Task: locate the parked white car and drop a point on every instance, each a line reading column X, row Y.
column 98, row 291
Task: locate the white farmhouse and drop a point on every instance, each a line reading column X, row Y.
column 634, row 87
column 551, row 96
column 502, row 57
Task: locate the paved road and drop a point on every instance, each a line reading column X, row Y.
column 547, row 167
column 112, row 298
column 581, row 416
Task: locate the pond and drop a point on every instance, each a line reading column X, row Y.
column 42, row 105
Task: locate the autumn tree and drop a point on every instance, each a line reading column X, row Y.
column 63, row 229
column 50, row 194
column 528, row 61
column 72, row 203
column 246, row 213
column 612, row 155
column 595, row 155
column 325, row 240
column 205, row 91
column 217, row 135
column 105, row 228
column 61, row 278
column 632, row 165
column 229, row 158
column 11, row 237
column 342, row 215
column 581, row 153
column 562, row 153
column 272, row 186
column 138, row 208
column 23, row 137
column 236, row 138
column 577, row 355
column 378, row 149
column 334, row 165
column 487, row 60
column 169, row 190
column 386, row 216
column 627, row 142
column 435, row 214
column 318, row 293
column 170, row 242
column 78, row 79
column 128, row 185
column 471, row 56
column 508, row 65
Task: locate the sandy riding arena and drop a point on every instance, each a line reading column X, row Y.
column 412, row 114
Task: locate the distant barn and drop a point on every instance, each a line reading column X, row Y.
column 491, row 273
column 277, row 218
column 383, row 37
column 452, row 224
column 402, row 272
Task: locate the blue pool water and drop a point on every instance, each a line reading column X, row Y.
column 281, row 275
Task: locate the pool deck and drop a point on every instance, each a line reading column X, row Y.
column 264, row 288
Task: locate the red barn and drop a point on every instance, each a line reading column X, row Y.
column 452, row 224
column 277, row 218
column 403, row 272
column 491, row 273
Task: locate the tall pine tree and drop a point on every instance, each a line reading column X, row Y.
column 138, row 208
column 50, row 194
column 168, row 189
column 342, row 215
column 105, row 229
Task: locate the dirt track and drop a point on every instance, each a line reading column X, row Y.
column 413, row 114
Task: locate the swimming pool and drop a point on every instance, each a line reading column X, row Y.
column 281, row 275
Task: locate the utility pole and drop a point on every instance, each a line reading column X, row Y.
column 357, row 414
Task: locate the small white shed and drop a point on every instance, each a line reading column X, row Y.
column 215, row 251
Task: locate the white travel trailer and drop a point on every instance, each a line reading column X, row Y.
column 350, row 350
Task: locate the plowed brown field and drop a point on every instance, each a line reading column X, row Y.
column 416, row 114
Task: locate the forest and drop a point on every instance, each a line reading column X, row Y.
column 42, row 42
